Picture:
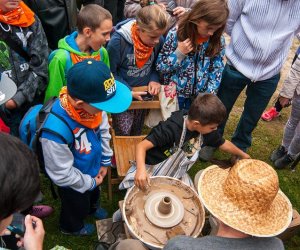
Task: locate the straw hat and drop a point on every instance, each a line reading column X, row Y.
column 246, row 197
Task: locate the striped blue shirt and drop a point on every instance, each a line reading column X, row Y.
column 261, row 33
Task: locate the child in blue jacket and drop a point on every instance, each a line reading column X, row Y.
column 79, row 169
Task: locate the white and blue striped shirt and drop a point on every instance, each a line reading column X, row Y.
column 261, row 33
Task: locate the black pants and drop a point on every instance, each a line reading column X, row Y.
column 116, row 8
column 75, row 207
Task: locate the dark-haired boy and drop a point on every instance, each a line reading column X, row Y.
column 203, row 117
column 20, row 185
column 78, row 169
column 94, row 25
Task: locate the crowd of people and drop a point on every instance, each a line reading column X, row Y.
column 86, row 58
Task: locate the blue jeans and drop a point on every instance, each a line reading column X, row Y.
column 184, row 103
column 258, row 95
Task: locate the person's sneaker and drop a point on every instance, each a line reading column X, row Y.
column 41, row 211
column 87, row 229
column 283, row 161
column 278, row 153
column 100, row 214
column 206, row 153
column 270, row 114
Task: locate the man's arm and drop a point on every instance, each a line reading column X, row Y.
column 235, row 10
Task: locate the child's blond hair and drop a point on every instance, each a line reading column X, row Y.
column 152, row 17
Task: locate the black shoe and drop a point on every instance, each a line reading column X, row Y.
column 283, row 161
column 278, row 153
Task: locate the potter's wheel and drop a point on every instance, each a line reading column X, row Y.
column 167, row 208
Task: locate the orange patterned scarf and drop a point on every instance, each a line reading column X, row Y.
column 202, row 40
column 22, row 16
column 142, row 52
column 77, row 58
column 79, row 115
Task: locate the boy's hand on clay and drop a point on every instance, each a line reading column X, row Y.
column 154, row 88
column 138, row 95
column 141, row 179
column 185, row 47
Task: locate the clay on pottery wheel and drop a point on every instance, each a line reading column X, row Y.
column 166, row 205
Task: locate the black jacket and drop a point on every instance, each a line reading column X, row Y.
column 167, row 134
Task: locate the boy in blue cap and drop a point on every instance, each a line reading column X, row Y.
column 79, row 168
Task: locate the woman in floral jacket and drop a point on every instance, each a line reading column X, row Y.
column 192, row 56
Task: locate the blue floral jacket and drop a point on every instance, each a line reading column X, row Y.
column 192, row 73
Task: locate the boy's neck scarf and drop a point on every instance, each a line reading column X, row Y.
column 142, row 52
column 79, row 115
column 78, row 58
column 22, row 16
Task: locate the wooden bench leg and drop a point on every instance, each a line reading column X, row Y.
column 109, row 184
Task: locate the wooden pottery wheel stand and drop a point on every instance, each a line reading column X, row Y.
column 166, row 209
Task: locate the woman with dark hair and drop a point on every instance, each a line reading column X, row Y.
column 192, row 56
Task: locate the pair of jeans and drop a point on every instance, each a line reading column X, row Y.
column 258, row 95
column 76, row 206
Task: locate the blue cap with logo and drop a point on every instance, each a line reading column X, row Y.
column 92, row 82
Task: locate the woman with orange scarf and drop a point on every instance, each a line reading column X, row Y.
column 133, row 50
column 23, row 58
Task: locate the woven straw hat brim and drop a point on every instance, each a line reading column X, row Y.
column 267, row 224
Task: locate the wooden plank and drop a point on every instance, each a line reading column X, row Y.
column 145, row 105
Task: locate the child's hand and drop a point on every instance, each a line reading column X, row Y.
column 10, row 104
column 185, row 47
column 103, row 171
column 34, row 234
column 138, row 95
column 98, row 179
column 154, row 88
column 284, row 102
column 179, row 11
column 141, row 179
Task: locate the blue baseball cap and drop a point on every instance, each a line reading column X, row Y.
column 92, row 82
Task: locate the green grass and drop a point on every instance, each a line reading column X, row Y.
column 266, row 138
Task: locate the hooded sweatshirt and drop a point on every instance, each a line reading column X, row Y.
column 122, row 60
column 57, row 65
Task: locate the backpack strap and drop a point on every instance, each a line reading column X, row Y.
column 55, row 124
column 68, row 63
column 101, row 53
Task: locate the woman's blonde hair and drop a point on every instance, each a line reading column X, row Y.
column 214, row 12
column 152, row 17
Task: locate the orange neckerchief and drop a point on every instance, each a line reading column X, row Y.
column 142, row 52
column 77, row 58
column 81, row 116
column 202, row 40
column 22, row 16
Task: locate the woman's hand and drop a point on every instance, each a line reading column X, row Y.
column 154, row 88
column 138, row 95
column 185, row 47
